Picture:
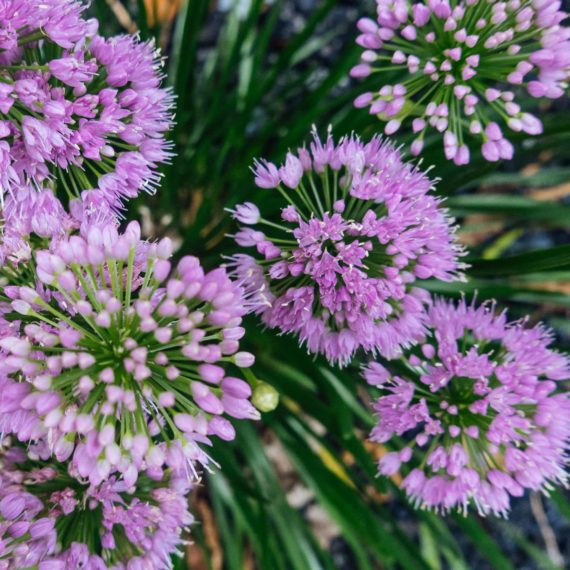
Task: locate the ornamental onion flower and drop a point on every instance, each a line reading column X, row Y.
column 358, row 226
column 53, row 519
column 128, row 364
column 478, row 408
column 464, row 63
column 78, row 111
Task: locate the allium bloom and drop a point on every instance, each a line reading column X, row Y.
column 78, row 112
column 464, row 63
column 478, row 408
column 358, row 227
column 126, row 367
column 53, row 519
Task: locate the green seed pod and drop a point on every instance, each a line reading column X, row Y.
column 265, row 397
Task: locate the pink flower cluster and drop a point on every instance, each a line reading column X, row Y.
column 127, row 364
column 464, row 64
column 53, row 519
column 116, row 367
column 477, row 411
column 119, row 367
column 82, row 120
column 358, row 227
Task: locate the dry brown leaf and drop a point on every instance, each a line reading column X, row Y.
column 161, row 11
column 551, row 286
column 122, row 15
column 531, row 169
column 478, row 228
column 551, row 193
column 194, row 554
column 189, row 215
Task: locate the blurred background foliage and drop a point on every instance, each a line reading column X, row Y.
column 300, row 491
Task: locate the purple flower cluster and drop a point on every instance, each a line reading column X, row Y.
column 53, row 519
column 127, row 364
column 478, row 410
column 82, row 120
column 464, row 63
column 358, row 226
column 118, row 367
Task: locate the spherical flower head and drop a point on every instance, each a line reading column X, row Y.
column 477, row 410
column 77, row 111
column 52, row 517
column 358, row 226
column 127, row 363
column 464, row 63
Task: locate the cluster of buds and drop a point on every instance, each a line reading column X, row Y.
column 126, row 366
